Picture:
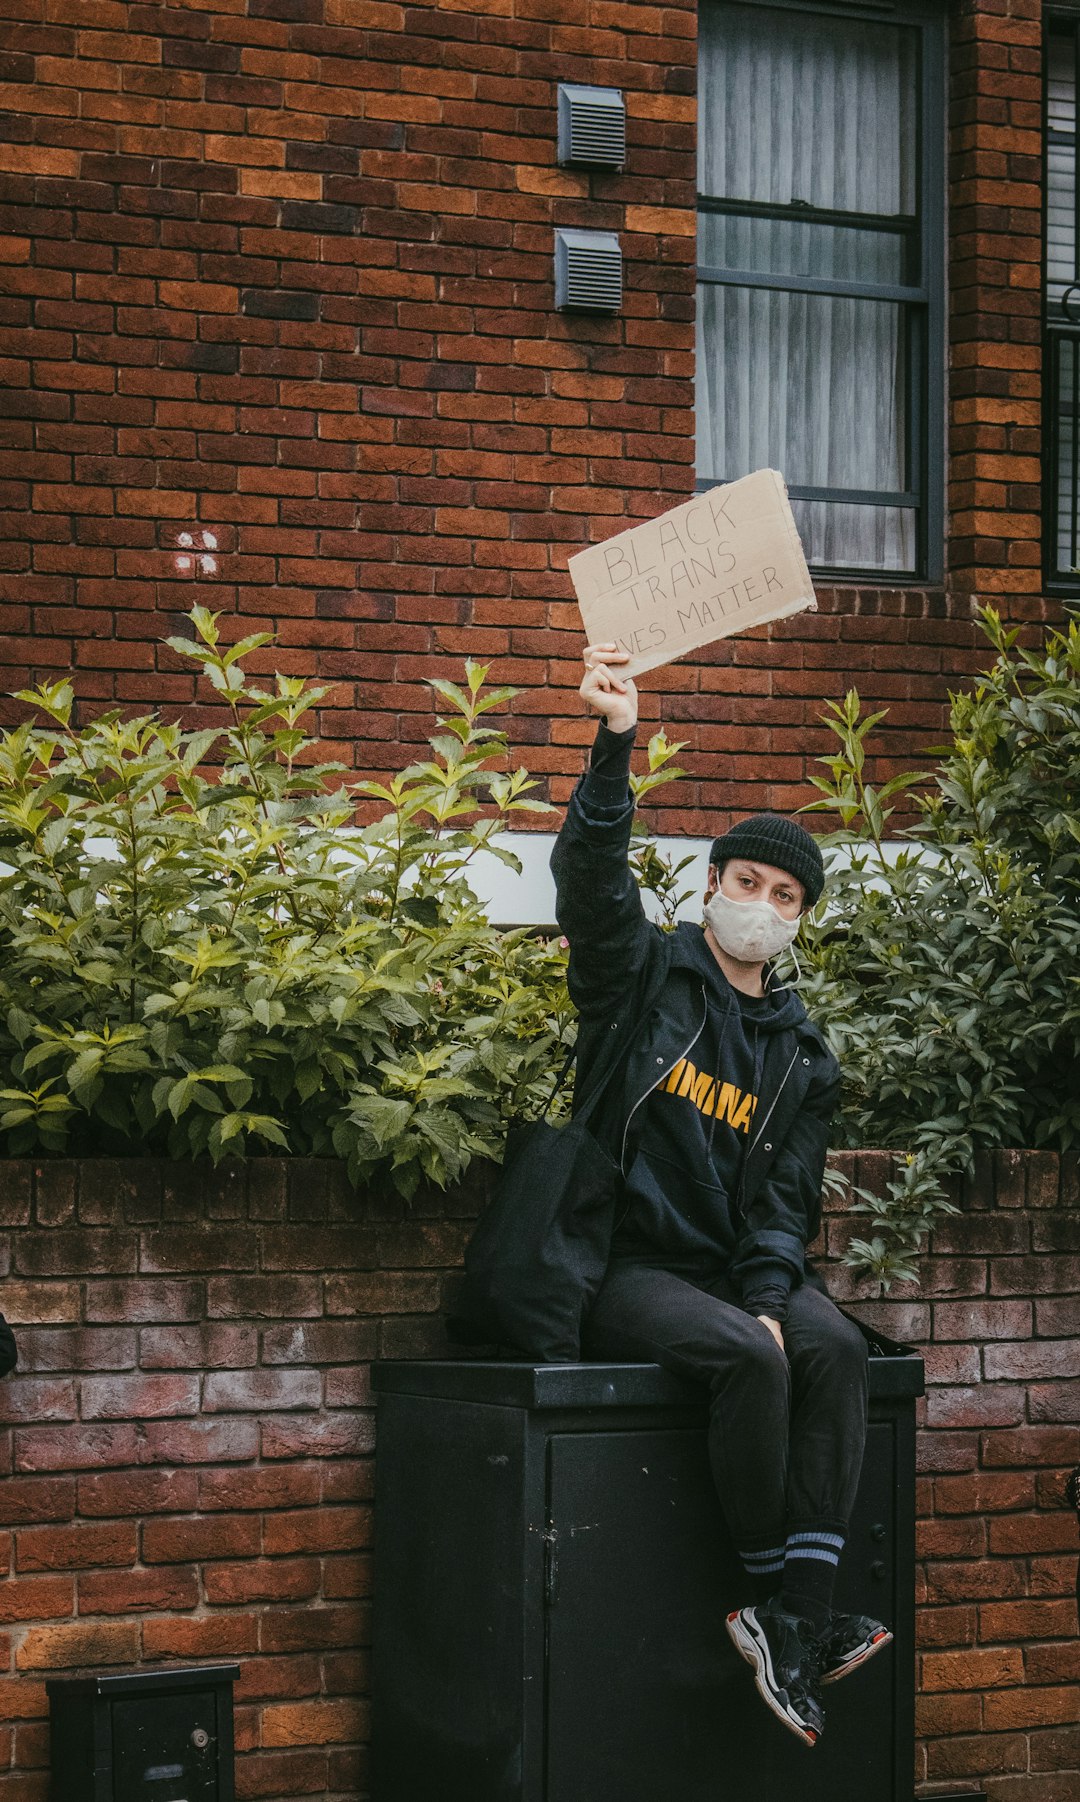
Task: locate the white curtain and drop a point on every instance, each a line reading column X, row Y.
column 1061, row 268
column 795, row 107
column 1061, row 277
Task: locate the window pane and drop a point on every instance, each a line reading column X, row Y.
column 847, row 536
column 1060, row 167
column 814, row 386
column 1066, row 501
column 794, row 106
column 794, row 247
column 810, row 384
column 1062, row 346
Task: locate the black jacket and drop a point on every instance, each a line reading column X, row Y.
column 637, row 986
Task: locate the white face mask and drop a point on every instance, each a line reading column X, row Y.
column 750, row 931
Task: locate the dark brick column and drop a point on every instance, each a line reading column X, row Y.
column 995, row 386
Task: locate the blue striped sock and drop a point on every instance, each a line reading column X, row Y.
column 765, row 1568
column 811, row 1556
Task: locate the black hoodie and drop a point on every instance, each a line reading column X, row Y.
column 689, row 1154
column 650, row 1001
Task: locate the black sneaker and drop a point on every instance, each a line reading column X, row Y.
column 785, row 1656
column 848, row 1641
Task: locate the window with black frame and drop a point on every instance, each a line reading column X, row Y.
column 1061, row 349
column 820, row 271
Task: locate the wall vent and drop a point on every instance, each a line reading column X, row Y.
column 588, row 272
column 592, row 126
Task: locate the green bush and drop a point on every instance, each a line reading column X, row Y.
column 202, row 952
column 949, row 979
column 213, row 960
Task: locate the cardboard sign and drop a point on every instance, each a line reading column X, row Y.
column 726, row 560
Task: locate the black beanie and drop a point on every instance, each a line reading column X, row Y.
column 773, row 838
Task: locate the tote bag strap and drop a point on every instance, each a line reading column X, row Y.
column 560, row 1077
column 597, row 1092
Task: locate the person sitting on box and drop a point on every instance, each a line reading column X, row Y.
column 722, row 1114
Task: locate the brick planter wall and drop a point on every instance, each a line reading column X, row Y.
column 187, row 1469
column 997, row 1318
column 187, row 1447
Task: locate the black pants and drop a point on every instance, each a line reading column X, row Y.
column 786, row 1433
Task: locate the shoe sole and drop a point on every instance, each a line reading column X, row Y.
column 756, row 1653
column 869, row 1646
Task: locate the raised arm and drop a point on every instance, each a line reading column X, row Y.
column 598, row 904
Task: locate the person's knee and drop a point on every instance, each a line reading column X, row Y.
column 839, row 1350
column 849, row 1344
column 758, row 1364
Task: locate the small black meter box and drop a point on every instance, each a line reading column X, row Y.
column 143, row 1736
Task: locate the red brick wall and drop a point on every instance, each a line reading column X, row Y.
column 185, row 1454
column 997, row 1317
column 281, row 270
column 996, row 297
column 186, row 1449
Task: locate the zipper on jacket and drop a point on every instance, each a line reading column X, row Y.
column 772, row 1106
column 740, row 1196
column 664, row 1074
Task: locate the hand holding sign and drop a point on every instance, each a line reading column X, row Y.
column 606, row 689
column 718, row 564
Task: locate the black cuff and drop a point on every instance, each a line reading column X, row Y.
column 607, row 780
column 773, row 1302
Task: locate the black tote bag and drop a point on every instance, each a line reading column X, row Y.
column 540, row 1249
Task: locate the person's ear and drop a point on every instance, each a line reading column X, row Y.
column 712, row 882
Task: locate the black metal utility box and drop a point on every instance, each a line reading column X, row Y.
column 551, row 1578
column 143, row 1736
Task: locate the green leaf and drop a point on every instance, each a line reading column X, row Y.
column 423, row 909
